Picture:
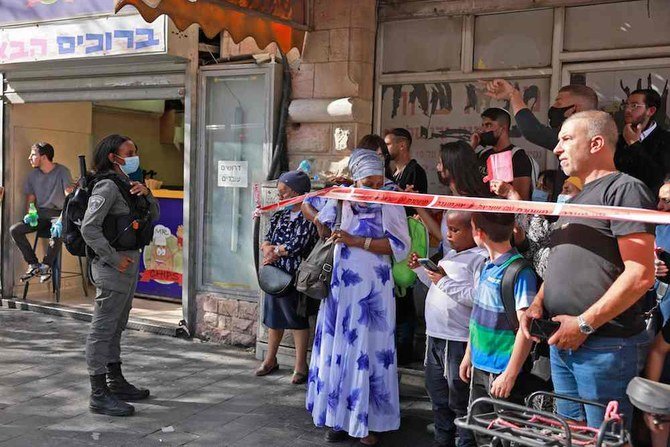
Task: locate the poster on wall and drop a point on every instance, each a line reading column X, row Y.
column 95, row 37
column 161, row 265
column 233, row 174
column 436, row 113
column 613, row 87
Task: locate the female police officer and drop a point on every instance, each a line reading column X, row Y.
column 115, row 227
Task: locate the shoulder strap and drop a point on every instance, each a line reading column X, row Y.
column 338, row 215
column 513, row 267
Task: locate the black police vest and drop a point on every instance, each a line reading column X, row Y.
column 132, row 231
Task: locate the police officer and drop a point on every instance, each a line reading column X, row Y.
column 115, row 227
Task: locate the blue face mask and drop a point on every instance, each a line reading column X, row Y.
column 563, row 198
column 132, row 164
column 540, row 196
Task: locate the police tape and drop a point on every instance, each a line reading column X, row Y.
column 435, row 201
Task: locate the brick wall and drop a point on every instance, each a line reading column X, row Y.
column 226, row 320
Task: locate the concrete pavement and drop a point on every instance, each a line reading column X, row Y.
column 203, row 394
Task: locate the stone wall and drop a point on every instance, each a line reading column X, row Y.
column 337, row 63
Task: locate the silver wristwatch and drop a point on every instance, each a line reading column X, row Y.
column 584, row 327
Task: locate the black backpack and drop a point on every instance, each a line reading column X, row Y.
column 537, row 367
column 122, row 234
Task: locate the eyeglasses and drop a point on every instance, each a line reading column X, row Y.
column 633, row 106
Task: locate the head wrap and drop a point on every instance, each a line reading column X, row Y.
column 575, row 181
column 364, row 163
column 298, row 181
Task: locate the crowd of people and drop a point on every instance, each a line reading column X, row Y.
column 494, row 279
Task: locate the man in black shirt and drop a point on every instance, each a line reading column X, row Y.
column 494, row 137
column 409, row 176
column 407, row 171
column 571, row 99
column 597, row 272
column 643, row 149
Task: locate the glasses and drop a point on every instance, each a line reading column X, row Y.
column 633, row 106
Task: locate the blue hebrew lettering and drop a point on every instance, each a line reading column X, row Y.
column 150, row 42
column 65, row 44
column 98, row 46
column 126, row 34
column 108, row 41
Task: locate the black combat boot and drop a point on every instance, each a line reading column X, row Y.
column 104, row 402
column 120, row 387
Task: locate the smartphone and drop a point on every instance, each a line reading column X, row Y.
column 427, row 263
column 543, row 329
column 665, row 257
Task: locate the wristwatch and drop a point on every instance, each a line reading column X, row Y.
column 584, row 327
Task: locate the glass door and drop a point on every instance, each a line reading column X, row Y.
column 236, row 127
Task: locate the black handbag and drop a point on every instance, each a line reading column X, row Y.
column 315, row 272
column 273, row 280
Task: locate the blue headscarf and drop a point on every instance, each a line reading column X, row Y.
column 365, row 163
column 298, row 181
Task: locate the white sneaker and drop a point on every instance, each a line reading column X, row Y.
column 44, row 272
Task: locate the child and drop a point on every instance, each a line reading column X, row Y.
column 495, row 354
column 448, row 307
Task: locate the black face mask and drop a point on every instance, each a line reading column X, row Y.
column 488, row 138
column 557, row 116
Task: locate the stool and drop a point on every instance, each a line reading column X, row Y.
column 56, row 271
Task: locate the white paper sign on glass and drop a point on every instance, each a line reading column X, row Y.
column 233, row 174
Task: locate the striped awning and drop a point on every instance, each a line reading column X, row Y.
column 281, row 21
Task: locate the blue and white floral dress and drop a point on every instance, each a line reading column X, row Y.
column 353, row 378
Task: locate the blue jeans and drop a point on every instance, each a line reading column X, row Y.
column 448, row 393
column 598, row 371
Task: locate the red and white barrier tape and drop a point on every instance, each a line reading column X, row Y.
column 434, row 201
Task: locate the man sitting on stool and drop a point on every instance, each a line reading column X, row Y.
column 46, row 187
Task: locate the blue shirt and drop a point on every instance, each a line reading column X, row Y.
column 491, row 335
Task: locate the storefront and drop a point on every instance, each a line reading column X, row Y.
column 72, row 81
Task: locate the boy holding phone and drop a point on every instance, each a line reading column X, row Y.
column 448, row 306
column 495, row 353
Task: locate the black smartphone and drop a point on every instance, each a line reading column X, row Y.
column 427, row 263
column 665, row 257
column 543, row 329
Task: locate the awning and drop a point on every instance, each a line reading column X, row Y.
column 281, row 21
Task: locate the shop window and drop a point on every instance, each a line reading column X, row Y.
column 437, row 113
column 632, row 24
column 528, row 33
column 234, row 143
column 422, row 45
column 613, row 87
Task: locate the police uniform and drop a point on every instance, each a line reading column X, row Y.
column 114, row 295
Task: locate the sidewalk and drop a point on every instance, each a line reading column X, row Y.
column 202, row 394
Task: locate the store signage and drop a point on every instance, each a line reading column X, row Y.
column 24, row 11
column 233, row 174
column 106, row 36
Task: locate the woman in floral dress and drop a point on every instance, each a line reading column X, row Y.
column 353, row 378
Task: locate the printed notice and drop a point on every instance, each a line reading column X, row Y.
column 233, row 174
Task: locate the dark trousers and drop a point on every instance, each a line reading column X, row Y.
column 19, row 231
column 448, row 393
column 405, row 325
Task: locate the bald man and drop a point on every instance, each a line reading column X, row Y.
column 597, row 272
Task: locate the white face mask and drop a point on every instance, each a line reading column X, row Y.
column 563, row 198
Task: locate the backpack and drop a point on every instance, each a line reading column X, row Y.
column 537, row 365
column 403, row 276
column 75, row 206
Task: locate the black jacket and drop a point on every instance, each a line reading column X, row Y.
column 544, row 136
column 647, row 160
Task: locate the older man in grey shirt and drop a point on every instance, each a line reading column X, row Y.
column 46, row 187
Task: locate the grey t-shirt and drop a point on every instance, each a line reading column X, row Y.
column 584, row 260
column 49, row 189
